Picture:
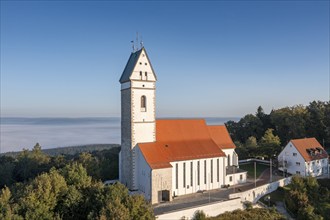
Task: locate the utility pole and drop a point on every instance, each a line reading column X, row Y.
column 283, row 164
column 209, row 187
column 234, row 177
column 271, row 172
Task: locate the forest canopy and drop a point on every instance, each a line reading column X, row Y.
column 262, row 134
column 38, row 186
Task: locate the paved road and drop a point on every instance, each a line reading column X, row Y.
column 197, row 199
column 281, row 209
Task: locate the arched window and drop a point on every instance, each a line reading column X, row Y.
column 143, row 103
column 228, row 160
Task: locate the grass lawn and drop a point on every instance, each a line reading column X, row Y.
column 250, row 168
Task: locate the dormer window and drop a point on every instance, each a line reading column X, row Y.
column 143, row 103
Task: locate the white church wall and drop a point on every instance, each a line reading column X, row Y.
column 143, row 175
column 186, row 180
column 232, row 155
column 143, row 132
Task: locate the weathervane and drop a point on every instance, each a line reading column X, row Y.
column 137, row 41
column 132, row 42
column 135, row 44
column 141, row 42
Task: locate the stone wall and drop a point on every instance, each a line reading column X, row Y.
column 161, row 180
column 125, row 154
column 253, row 195
column 211, row 210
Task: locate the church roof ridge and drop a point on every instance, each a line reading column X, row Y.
column 131, row 63
column 182, row 139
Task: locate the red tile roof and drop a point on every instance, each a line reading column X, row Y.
column 221, row 137
column 189, row 139
column 310, row 144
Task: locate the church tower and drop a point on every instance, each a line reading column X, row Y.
column 138, row 119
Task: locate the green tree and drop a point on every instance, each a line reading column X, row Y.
column 31, row 163
column 41, row 196
column 140, row 208
column 312, row 189
column 250, row 126
column 115, row 210
column 6, row 211
column 75, row 174
column 307, row 199
column 259, row 213
column 327, row 125
column 307, row 213
column 251, row 142
column 233, row 129
column 270, row 143
column 7, row 166
column 91, row 164
column 316, row 121
column 270, row 140
column 120, row 205
column 199, row 215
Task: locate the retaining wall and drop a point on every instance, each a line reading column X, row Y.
column 212, row 209
column 253, row 195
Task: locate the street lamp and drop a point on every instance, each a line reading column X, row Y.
column 271, row 172
column 268, row 197
column 234, row 172
column 255, row 174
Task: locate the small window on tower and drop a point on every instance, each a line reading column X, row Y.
column 143, row 103
column 145, row 64
column 141, row 75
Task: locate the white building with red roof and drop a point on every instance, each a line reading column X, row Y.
column 166, row 158
column 305, row 157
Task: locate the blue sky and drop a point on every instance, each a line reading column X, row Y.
column 212, row 58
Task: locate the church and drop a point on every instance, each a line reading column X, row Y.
column 166, row 158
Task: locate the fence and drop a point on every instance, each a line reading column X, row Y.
column 253, row 160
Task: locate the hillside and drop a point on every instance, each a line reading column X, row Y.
column 70, row 150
